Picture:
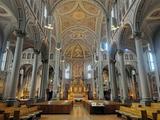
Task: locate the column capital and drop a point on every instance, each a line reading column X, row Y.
column 20, row 33
column 45, row 61
column 137, row 35
column 36, row 51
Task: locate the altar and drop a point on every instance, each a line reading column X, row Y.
column 77, row 90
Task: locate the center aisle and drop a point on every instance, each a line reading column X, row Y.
column 79, row 113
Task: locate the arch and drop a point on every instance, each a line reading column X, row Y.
column 18, row 13
column 25, row 66
column 77, row 50
column 51, row 72
column 96, row 1
column 126, row 38
column 138, row 16
column 132, row 80
column 74, row 27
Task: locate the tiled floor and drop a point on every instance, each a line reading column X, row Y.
column 79, row 113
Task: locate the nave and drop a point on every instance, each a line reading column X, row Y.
column 102, row 53
column 79, row 113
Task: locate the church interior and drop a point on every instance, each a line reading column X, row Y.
column 79, row 60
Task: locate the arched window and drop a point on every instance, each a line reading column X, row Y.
column 89, row 72
column 151, row 61
column 32, row 55
column 131, row 57
column 67, row 72
column 104, row 56
column 24, row 56
column 45, row 11
column 51, row 56
column 3, row 61
column 29, row 56
column 126, row 56
column 104, row 46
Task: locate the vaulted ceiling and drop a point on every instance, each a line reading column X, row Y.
column 79, row 23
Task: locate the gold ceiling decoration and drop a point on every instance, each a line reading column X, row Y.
column 81, row 35
column 78, row 24
column 88, row 22
column 69, row 6
column 77, row 51
column 91, row 8
column 65, row 7
column 78, row 15
column 78, row 35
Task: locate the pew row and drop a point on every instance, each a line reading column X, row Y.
column 101, row 106
column 140, row 112
column 19, row 113
column 55, row 107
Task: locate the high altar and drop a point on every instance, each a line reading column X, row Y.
column 77, row 90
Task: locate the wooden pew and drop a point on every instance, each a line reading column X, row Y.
column 25, row 113
column 55, row 107
column 136, row 108
column 34, row 110
column 21, row 113
column 151, row 110
column 129, row 113
column 4, row 116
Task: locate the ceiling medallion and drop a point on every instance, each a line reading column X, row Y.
column 78, row 15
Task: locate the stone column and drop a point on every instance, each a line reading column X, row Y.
column 124, row 84
column 93, row 81
column 97, row 89
column 15, row 68
column 63, row 79
column 146, row 98
column 21, row 82
column 114, row 92
column 56, row 75
column 100, row 81
column 34, row 75
column 93, row 84
column 157, row 79
column 44, row 79
column 7, row 69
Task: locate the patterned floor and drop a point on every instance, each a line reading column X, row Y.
column 79, row 113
